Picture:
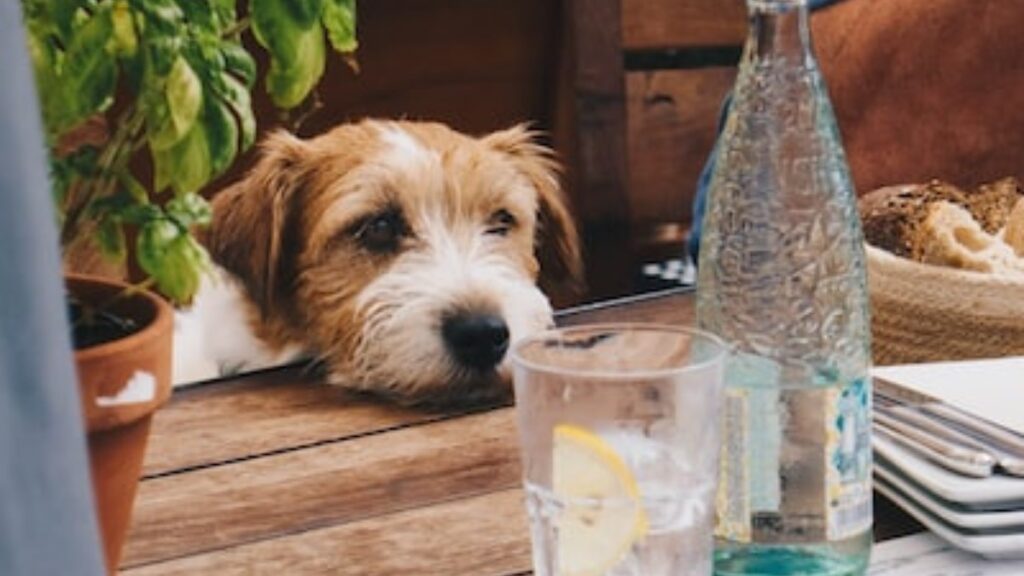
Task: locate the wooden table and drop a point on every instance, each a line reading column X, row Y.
column 277, row 473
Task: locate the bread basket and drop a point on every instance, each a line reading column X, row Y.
column 925, row 313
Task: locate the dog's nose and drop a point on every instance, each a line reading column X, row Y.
column 476, row 340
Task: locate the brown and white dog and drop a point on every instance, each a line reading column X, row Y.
column 404, row 256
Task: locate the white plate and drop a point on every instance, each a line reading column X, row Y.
column 995, row 546
column 992, row 389
column 996, row 493
column 972, row 521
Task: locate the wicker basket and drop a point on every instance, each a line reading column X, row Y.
column 924, row 313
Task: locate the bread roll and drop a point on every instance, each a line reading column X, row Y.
column 938, row 223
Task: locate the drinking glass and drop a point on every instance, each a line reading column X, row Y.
column 619, row 434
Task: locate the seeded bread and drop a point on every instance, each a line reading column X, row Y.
column 891, row 215
column 938, row 223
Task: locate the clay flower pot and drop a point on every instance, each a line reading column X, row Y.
column 122, row 383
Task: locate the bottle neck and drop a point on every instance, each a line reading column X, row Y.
column 779, row 31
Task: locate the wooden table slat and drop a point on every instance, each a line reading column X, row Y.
column 342, row 482
column 485, row 536
column 259, row 414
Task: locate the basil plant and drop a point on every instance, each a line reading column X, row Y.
column 174, row 81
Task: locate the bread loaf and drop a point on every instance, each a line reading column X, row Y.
column 937, row 223
column 1014, row 233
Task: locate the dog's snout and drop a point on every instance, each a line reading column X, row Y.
column 476, row 340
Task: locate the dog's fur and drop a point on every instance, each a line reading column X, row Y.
column 302, row 271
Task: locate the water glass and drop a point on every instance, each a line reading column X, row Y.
column 619, row 433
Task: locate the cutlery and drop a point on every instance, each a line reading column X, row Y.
column 960, row 459
column 953, row 424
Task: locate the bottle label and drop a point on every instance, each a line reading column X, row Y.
column 848, row 460
column 795, row 462
column 733, row 498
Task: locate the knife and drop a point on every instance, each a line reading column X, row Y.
column 959, row 459
column 1006, row 446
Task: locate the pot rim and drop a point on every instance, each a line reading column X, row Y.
column 152, row 330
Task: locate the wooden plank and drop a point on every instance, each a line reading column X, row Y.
column 261, row 414
column 672, row 126
column 595, row 144
column 485, row 535
column 268, row 497
column 665, row 24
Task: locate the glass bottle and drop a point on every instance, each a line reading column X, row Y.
column 782, row 278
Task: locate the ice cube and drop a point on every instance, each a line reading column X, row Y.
column 674, row 494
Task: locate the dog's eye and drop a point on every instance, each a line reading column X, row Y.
column 381, row 233
column 500, row 223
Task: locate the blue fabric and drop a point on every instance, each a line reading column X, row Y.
column 704, row 181
column 47, row 524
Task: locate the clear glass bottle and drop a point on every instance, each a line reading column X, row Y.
column 782, row 278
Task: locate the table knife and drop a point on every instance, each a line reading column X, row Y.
column 1005, row 445
column 959, row 459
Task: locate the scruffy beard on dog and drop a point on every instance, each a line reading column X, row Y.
column 404, row 257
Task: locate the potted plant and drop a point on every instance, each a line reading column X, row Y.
column 168, row 83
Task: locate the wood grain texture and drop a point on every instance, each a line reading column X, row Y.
column 673, row 116
column 262, row 413
column 596, row 152
column 662, row 24
column 480, row 536
column 337, row 483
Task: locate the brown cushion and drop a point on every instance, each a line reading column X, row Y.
column 926, row 88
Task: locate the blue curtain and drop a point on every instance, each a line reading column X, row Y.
column 47, row 524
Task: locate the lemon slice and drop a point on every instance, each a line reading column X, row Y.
column 603, row 515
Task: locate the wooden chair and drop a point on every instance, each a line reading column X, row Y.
column 646, row 80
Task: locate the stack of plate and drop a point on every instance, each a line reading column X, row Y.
column 982, row 515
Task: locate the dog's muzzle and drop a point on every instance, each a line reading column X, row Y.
column 476, row 340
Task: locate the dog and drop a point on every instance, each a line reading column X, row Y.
column 404, row 257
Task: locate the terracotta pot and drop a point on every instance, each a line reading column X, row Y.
column 122, row 383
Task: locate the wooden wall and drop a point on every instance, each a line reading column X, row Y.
column 680, row 57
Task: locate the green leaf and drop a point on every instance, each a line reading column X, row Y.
column 290, row 81
column 305, row 13
column 55, row 15
column 199, row 14
column 340, row 21
column 237, row 97
column 163, row 17
column 274, row 28
column 239, row 62
column 185, row 167
column 297, row 56
column 141, row 214
column 110, row 239
column 221, row 136
column 162, row 53
column 190, row 210
column 183, row 94
column 85, row 85
column 133, row 188
column 172, row 258
column 126, row 43
column 225, row 11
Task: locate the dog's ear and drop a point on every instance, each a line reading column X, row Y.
column 254, row 221
column 557, row 243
